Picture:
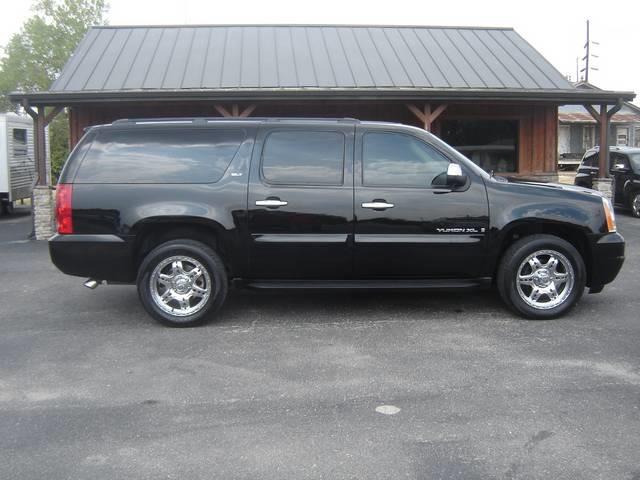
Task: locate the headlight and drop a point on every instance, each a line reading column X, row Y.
column 609, row 215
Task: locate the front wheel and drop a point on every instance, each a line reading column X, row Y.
column 181, row 283
column 635, row 205
column 541, row 276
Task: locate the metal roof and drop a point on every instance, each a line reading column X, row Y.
column 154, row 62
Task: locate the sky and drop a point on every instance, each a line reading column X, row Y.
column 556, row 28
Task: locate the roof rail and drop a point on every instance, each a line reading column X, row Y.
column 205, row 120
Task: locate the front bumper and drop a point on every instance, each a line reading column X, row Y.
column 607, row 257
column 103, row 257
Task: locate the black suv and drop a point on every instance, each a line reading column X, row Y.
column 624, row 168
column 186, row 207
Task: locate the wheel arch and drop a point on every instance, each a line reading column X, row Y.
column 575, row 235
column 154, row 231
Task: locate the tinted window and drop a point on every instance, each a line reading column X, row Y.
column 635, row 161
column 159, row 156
column 303, row 158
column 19, row 141
column 591, row 160
column 395, row 159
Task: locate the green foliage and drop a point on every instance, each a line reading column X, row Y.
column 58, row 143
column 34, row 57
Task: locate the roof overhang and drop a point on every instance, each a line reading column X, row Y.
column 557, row 96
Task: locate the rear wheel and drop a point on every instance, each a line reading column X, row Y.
column 181, row 283
column 635, row 205
column 541, row 276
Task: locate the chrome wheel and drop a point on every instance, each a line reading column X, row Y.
column 545, row 279
column 635, row 206
column 180, row 285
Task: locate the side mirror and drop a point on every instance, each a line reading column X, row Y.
column 455, row 177
column 619, row 167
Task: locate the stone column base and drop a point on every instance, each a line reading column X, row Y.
column 603, row 185
column 43, row 207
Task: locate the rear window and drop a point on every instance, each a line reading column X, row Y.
column 159, row 156
column 304, row 158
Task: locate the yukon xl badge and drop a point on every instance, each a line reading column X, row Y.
column 460, row 230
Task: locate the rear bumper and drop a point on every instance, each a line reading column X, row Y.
column 103, row 257
column 607, row 257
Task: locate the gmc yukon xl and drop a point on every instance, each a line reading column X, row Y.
column 184, row 208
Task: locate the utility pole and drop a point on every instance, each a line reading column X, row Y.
column 587, row 57
column 587, row 46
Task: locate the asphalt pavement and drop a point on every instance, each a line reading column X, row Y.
column 290, row 385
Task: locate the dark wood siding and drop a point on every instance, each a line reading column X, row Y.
column 538, row 124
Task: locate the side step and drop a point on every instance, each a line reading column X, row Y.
column 438, row 284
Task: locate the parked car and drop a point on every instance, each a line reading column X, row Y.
column 624, row 168
column 183, row 208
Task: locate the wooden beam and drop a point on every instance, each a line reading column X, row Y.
column 222, row 111
column 436, row 113
column 418, row 113
column 247, row 111
column 593, row 112
column 30, row 111
column 51, row 115
column 235, row 110
column 426, row 115
column 616, row 108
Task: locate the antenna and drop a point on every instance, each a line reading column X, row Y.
column 588, row 55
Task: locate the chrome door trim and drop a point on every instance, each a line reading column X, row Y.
column 377, row 205
column 271, row 202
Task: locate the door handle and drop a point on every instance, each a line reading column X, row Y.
column 271, row 203
column 378, row 205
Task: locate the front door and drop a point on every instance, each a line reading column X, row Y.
column 621, row 172
column 407, row 224
column 301, row 202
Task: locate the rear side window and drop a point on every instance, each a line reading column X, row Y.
column 159, row 156
column 591, row 160
column 303, row 158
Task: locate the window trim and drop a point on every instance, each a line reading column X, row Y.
column 268, row 182
column 406, row 134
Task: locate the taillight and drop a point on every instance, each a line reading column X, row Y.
column 64, row 193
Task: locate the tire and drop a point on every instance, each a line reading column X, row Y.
column 635, row 205
column 181, row 283
column 7, row 208
column 519, row 261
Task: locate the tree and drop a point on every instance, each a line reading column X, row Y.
column 34, row 57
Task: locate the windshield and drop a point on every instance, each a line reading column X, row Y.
column 635, row 161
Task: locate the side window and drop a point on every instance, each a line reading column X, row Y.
column 303, row 158
column 399, row 160
column 19, row 141
column 159, row 156
column 619, row 162
column 591, row 160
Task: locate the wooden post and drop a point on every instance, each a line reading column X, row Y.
column 603, row 119
column 603, row 158
column 40, row 122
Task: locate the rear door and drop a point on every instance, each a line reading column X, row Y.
column 300, row 203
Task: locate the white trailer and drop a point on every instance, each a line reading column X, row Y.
column 17, row 159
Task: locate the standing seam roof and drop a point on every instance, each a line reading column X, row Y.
column 304, row 56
